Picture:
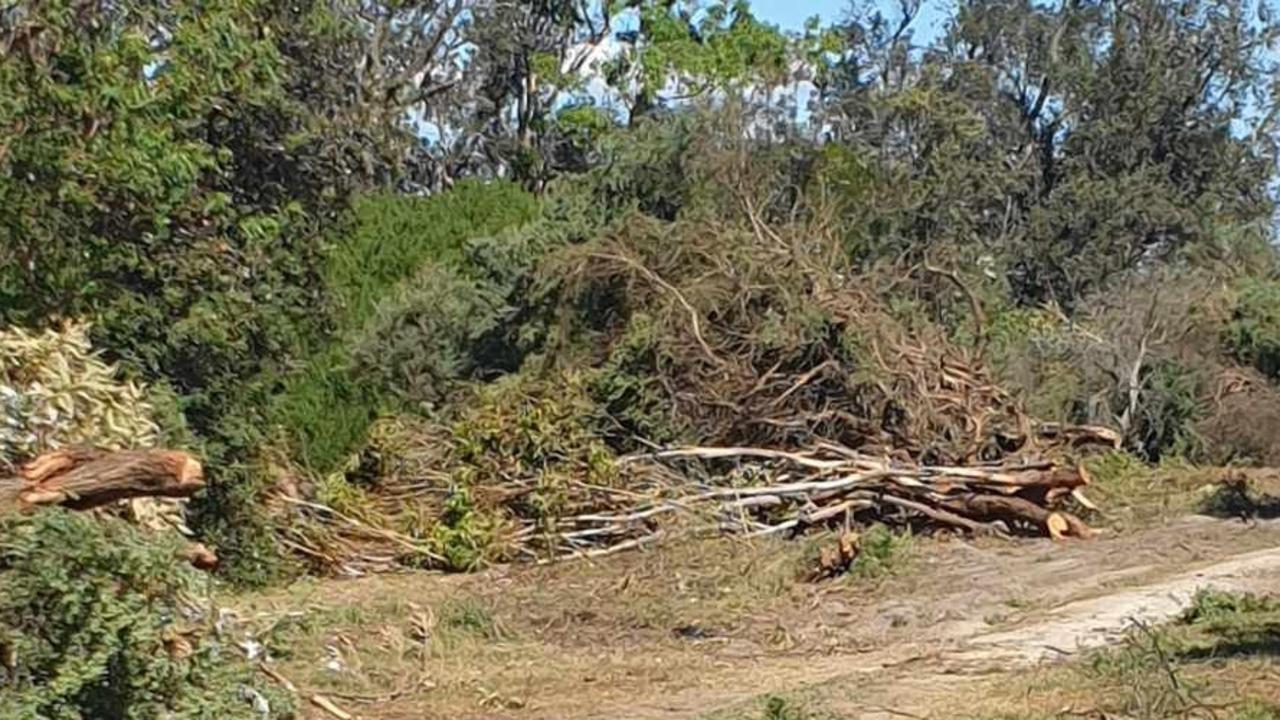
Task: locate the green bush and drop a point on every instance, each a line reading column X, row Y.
column 394, row 236
column 98, row 622
column 401, row 270
column 1169, row 406
column 543, row 431
column 1253, row 333
column 424, row 335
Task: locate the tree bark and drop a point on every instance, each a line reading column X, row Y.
column 82, row 478
column 999, row 507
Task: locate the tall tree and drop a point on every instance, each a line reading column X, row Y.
column 1070, row 142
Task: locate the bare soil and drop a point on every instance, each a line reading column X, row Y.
column 706, row 629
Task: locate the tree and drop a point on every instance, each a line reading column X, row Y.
column 1070, row 142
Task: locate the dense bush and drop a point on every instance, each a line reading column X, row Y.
column 394, row 236
column 1253, row 333
column 178, row 211
column 99, row 623
column 421, row 339
column 403, row 267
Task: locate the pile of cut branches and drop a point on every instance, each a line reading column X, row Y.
column 776, row 341
column 746, row 491
column 791, row 492
column 740, row 346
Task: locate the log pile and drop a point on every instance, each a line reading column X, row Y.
column 832, row 485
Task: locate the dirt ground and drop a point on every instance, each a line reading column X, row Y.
column 707, row 629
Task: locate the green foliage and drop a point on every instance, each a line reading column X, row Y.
column 1116, row 469
column 780, row 708
column 56, row 391
column 423, row 337
column 327, row 409
column 164, row 212
column 1210, row 607
column 543, row 432
column 90, row 612
column 1253, row 333
column 394, row 236
column 725, row 47
column 1168, row 408
column 410, row 318
column 470, row 617
column 881, row 552
column 463, row 535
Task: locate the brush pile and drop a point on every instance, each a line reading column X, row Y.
column 835, row 485
column 710, row 379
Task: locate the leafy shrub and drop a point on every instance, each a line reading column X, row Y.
column 99, row 623
column 400, row 270
column 522, row 447
column 541, row 432
column 463, row 535
column 326, row 408
column 55, row 390
column 1253, row 333
column 424, row 336
column 394, row 236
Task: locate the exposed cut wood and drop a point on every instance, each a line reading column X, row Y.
column 83, row 478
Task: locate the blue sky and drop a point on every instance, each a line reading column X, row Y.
column 791, row 14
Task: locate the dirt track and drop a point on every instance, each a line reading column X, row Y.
column 670, row 635
column 1084, row 595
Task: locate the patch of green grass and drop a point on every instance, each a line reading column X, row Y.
column 882, row 552
column 463, row 620
column 1117, row 470
column 779, row 708
column 1156, row 673
column 1256, row 710
column 1134, row 494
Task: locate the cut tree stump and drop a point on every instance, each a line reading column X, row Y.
column 83, row 479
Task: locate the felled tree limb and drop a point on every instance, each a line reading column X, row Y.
column 1056, row 524
column 82, row 479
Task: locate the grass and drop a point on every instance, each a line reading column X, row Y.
column 883, row 552
column 777, row 707
column 1134, row 495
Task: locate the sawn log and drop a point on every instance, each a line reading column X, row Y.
column 82, row 478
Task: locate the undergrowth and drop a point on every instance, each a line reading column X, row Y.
column 99, row 622
column 1169, row 671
